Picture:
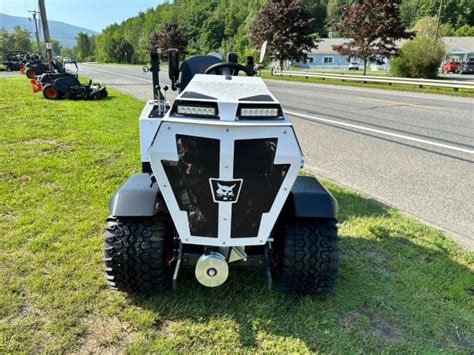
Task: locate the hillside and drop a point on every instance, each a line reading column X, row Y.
column 209, row 25
column 62, row 32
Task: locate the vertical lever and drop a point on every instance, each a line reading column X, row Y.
column 155, row 70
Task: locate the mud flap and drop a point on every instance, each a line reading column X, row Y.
column 309, row 199
column 36, row 85
column 137, row 196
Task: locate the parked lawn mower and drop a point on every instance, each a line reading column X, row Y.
column 69, row 87
column 48, row 77
column 15, row 60
column 219, row 189
column 37, row 67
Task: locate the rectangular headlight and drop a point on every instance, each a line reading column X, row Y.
column 259, row 112
column 196, row 110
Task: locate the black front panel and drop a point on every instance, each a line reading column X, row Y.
column 253, row 162
column 189, row 178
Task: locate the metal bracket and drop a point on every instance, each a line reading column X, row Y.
column 178, row 264
column 268, row 265
column 237, row 253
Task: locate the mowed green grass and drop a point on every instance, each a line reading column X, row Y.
column 403, row 286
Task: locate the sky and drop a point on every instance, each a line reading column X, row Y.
column 91, row 14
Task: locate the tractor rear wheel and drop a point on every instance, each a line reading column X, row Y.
column 8, row 68
column 136, row 252
column 50, row 92
column 30, row 74
column 306, row 256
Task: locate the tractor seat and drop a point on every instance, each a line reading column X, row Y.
column 58, row 66
column 194, row 65
column 64, row 83
column 52, row 76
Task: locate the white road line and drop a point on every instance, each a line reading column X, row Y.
column 390, row 134
column 115, row 73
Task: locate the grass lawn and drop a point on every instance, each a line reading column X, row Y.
column 403, row 286
column 266, row 74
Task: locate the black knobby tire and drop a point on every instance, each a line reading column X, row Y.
column 135, row 254
column 306, row 256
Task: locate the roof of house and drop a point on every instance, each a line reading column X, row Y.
column 464, row 44
column 452, row 44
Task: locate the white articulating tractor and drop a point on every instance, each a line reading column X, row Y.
column 219, row 189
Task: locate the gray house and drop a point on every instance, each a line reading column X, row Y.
column 324, row 57
column 459, row 48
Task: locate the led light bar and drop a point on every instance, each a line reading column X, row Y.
column 259, row 112
column 196, row 110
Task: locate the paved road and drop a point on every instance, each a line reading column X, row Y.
column 409, row 150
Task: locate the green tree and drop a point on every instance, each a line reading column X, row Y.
column 373, row 26
column 6, row 42
column 455, row 13
column 318, row 10
column 21, row 39
column 124, row 51
column 287, row 26
column 18, row 40
column 83, row 48
column 464, row 31
column 426, row 27
column 169, row 36
column 56, row 47
column 212, row 33
column 333, row 10
column 418, row 58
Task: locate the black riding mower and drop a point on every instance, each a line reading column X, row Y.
column 69, row 87
column 48, row 77
column 34, row 68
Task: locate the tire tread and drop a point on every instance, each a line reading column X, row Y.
column 308, row 257
column 134, row 254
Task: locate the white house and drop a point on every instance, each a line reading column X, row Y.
column 324, row 57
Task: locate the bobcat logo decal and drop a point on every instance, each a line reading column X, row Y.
column 225, row 191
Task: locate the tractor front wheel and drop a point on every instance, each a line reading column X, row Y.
column 136, row 252
column 30, row 74
column 306, row 256
column 50, row 92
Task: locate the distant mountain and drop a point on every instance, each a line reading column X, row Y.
column 60, row 31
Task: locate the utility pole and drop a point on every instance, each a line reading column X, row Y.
column 438, row 19
column 34, row 13
column 47, row 38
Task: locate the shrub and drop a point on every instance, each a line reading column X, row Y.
column 418, row 58
column 464, row 31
